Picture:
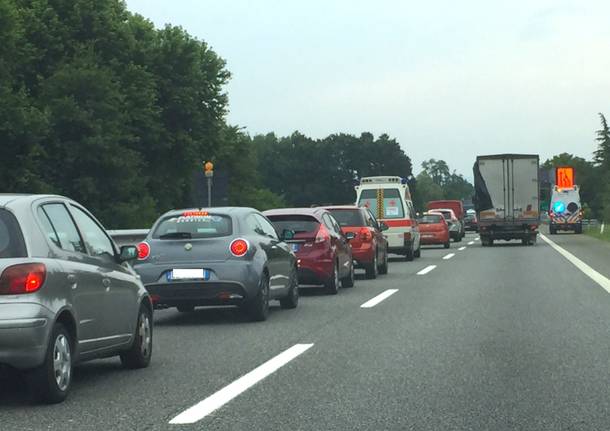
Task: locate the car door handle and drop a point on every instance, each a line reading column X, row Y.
column 72, row 280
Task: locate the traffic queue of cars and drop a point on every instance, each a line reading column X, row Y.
column 62, row 275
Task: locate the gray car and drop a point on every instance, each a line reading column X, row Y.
column 66, row 294
column 220, row 256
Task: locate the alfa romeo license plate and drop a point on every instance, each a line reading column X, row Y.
column 188, row 274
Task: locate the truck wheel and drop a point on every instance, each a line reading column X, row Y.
column 552, row 230
column 447, row 244
column 525, row 241
column 578, row 229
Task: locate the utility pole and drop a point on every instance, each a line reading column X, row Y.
column 208, row 169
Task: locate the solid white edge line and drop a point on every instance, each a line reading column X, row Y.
column 377, row 299
column 471, row 243
column 448, row 256
column 462, row 248
column 589, row 272
column 226, row 394
column 426, row 270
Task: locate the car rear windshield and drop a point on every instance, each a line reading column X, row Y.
column 447, row 215
column 189, row 225
column 430, row 219
column 392, row 203
column 296, row 223
column 348, row 217
column 11, row 239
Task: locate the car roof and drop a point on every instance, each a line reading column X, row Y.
column 8, row 198
column 343, row 207
column 296, row 211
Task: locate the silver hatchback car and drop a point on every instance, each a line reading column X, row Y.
column 66, row 294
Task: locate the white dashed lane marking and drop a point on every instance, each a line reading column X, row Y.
column 226, row 394
column 426, row 270
column 376, row 300
column 471, row 243
column 448, row 256
column 462, row 248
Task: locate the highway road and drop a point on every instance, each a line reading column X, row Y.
column 508, row 337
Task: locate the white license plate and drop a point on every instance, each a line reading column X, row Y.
column 189, row 274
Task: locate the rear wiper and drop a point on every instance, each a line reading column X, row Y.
column 176, row 235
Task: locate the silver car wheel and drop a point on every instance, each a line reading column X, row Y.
column 62, row 362
column 145, row 334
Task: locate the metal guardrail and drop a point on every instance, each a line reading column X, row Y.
column 128, row 236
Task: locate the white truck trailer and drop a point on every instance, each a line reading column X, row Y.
column 507, row 197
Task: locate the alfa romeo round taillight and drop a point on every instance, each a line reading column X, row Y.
column 143, row 251
column 22, row 278
column 239, row 247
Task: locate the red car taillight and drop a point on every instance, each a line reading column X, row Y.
column 322, row 235
column 143, row 251
column 239, row 247
column 22, row 278
column 366, row 234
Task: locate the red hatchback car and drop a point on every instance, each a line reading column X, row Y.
column 434, row 229
column 369, row 247
column 323, row 251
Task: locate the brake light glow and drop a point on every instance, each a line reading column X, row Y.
column 22, row 278
column 322, row 235
column 239, row 247
column 195, row 214
column 366, row 234
column 143, row 251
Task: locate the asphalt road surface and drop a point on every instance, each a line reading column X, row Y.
column 508, row 337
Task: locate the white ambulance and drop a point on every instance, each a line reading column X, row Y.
column 566, row 211
column 389, row 199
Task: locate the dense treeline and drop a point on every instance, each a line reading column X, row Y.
column 593, row 176
column 307, row 172
column 97, row 104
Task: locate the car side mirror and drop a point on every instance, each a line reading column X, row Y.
column 287, row 235
column 350, row 236
column 127, row 253
column 383, row 226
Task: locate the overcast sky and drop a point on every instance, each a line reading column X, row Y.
column 448, row 79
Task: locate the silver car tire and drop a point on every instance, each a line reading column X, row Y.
column 140, row 352
column 51, row 382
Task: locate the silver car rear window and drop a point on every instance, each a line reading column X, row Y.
column 11, row 239
column 193, row 224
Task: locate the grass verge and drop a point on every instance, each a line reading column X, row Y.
column 594, row 232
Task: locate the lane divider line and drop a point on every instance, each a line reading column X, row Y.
column 426, row 270
column 377, row 299
column 226, row 394
column 471, row 243
column 477, row 238
column 448, row 256
column 589, row 272
column 462, row 248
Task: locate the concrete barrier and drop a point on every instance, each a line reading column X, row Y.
column 128, row 236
